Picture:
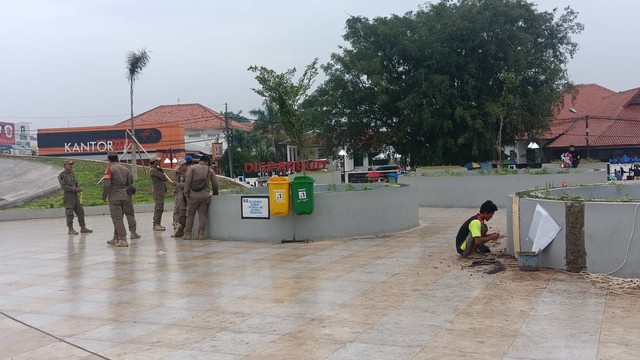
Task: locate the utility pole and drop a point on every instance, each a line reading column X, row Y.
column 586, row 128
column 228, row 133
column 586, row 123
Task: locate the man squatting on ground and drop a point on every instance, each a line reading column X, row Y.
column 117, row 178
column 70, row 199
column 473, row 232
column 159, row 188
column 196, row 188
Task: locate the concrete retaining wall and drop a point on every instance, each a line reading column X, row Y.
column 471, row 191
column 337, row 214
column 6, row 215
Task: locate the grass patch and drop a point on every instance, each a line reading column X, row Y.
column 88, row 173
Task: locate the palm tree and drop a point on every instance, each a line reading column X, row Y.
column 136, row 61
column 268, row 122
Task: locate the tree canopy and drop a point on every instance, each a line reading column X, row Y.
column 288, row 96
column 442, row 83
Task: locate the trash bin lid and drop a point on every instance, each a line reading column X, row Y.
column 278, row 179
column 303, row 179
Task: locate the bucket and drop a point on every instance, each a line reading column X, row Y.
column 529, row 261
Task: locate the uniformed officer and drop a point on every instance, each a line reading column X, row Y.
column 180, row 208
column 129, row 213
column 117, row 179
column 159, row 188
column 70, row 199
column 196, row 188
column 176, row 180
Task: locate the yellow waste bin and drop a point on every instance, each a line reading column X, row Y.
column 279, row 196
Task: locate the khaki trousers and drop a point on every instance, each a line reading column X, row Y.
column 202, row 207
column 116, row 210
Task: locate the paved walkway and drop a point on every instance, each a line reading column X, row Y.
column 22, row 179
column 400, row 296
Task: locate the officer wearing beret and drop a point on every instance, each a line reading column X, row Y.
column 70, row 199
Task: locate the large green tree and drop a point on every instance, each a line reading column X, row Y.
column 433, row 83
column 288, row 96
column 267, row 123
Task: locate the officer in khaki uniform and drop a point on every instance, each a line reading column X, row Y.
column 200, row 174
column 116, row 180
column 129, row 213
column 180, row 208
column 159, row 188
column 176, row 181
column 70, row 199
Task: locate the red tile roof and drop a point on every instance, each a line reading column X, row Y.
column 190, row 116
column 614, row 119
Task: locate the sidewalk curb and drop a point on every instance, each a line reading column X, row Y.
column 10, row 215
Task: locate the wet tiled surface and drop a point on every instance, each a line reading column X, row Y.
column 399, row 296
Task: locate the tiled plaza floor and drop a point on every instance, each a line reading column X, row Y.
column 399, row 296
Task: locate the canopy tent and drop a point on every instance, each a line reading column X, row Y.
column 472, row 166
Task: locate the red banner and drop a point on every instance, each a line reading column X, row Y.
column 281, row 166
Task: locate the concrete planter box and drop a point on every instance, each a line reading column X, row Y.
column 605, row 235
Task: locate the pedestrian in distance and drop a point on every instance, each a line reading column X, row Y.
column 197, row 190
column 574, row 156
column 117, row 180
column 72, row 203
column 159, row 189
column 472, row 234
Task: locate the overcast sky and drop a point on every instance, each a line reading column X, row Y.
column 63, row 61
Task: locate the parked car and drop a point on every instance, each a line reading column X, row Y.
column 386, row 168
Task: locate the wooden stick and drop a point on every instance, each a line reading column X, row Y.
column 140, row 145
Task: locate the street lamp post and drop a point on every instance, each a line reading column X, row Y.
column 344, row 165
column 586, row 125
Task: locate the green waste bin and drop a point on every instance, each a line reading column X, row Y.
column 302, row 194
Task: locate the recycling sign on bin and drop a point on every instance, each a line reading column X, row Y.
column 302, row 192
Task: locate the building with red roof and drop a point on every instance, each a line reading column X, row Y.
column 167, row 131
column 202, row 126
column 608, row 121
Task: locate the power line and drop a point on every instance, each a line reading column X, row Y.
column 60, row 117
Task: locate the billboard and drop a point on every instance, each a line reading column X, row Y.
column 7, row 135
column 101, row 139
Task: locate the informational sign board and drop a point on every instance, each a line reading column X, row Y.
column 254, row 207
column 216, row 150
column 7, row 134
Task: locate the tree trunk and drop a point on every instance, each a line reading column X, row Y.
column 499, row 143
column 134, row 155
